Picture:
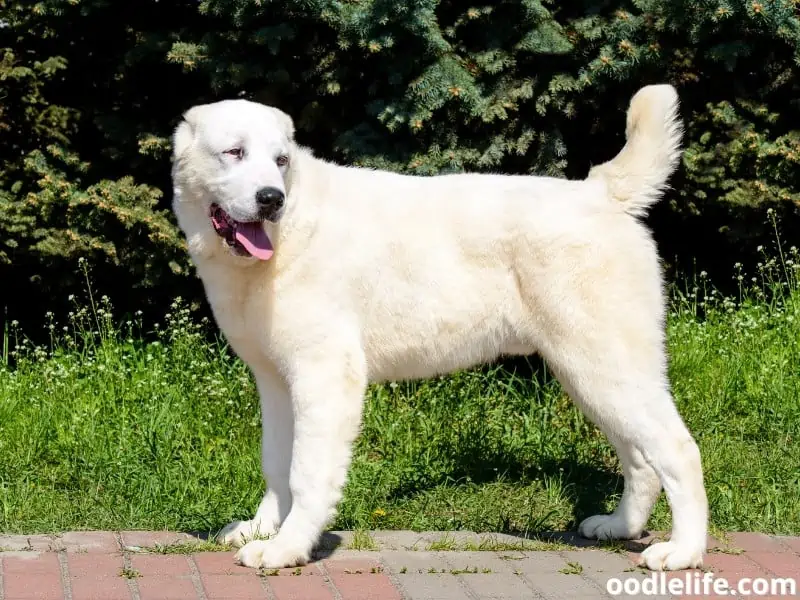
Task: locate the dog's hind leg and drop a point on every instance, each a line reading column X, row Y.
column 601, row 333
column 277, row 426
column 634, row 408
column 642, row 488
column 327, row 387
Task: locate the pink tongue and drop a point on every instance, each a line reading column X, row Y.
column 254, row 239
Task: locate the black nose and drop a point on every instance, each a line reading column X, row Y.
column 269, row 198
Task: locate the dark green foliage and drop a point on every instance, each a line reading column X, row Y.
column 79, row 174
column 90, row 91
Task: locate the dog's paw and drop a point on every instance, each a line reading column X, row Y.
column 270, row 554
column 607, row 527
column 671, row 556
column 238, row 533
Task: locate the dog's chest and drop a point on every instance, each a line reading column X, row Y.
column 241, row 312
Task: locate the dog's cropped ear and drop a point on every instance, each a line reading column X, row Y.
column 184, row 132
column 286, row 122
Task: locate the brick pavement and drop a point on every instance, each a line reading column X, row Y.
column 398, row 566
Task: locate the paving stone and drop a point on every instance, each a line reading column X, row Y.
column 97, row 577
column 29, row 543
column 226, row 587
column 100, row 588
column 539, row 563
column 35, row 577
column 94, row 542
column 498, row 586
column 542, row 571
column 31, row 563
column 219, row 563
column 223, row 579
column 32, row 568
column 166, row 588
column 149, row 539
column 309, row 587
column 436, row 586
column 491, row 561
column 421, row 576
column 164, row 577
column 728, row 565
column 791, row 542
column 401, row 540
column 564, row 587
column 88, row 565
column 346, row 554
column 362, row 579
column 106, row 589
column 398, row 562
column 782, row 564
column 599, row 561
column 600, row 567
column 755, row 542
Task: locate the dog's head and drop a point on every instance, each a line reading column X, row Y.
column 231, row 162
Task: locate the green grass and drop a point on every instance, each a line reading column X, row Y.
column 572, row 568
column 448, row 543
column 362, row 540
column 187, row 548
column 127, row 573
column 102, row 430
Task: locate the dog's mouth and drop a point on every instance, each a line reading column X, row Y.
column 245, row 238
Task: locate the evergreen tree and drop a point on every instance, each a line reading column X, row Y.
column 91, row 89
column 67, row 156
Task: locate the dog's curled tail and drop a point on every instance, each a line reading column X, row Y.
column 637, row 176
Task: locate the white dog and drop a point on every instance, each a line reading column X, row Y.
column 326, row 278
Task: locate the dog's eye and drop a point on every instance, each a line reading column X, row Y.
column 237, row 153
column 282, row 160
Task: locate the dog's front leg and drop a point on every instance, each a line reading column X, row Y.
column 277, row 426
column 327, row 396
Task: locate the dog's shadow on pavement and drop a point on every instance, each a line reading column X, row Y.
column 571, row 538
column 328, row 543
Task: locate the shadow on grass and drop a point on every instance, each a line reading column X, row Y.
column 482, row 445
column 552, row 469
